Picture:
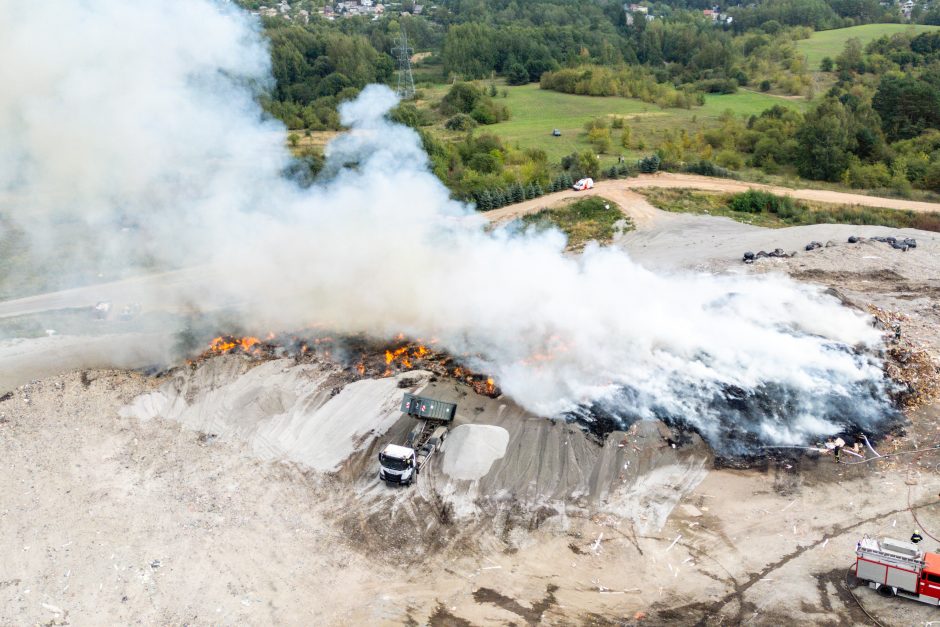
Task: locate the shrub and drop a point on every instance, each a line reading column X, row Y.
column 625, row 137
column 864, row 176
column 932, row 178
column 718, row 86
column 588, row 164
column 756, row 201
column 600, row 138
column 484, row 163
column 460, row 122
column 470, row 99
column 707, row 168
column 649, row 165
column 484, row 114
column 730, row 159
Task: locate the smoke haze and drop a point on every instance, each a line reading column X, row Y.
column 136, row 124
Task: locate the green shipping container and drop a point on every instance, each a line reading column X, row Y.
column 423, row 407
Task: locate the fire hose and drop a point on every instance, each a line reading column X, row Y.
column 935, row 447
column 914, row 514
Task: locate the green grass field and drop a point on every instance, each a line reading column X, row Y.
column 829, row 43
column 535, row 112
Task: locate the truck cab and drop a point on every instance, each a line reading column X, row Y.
column 397, row 464
column 929, row 585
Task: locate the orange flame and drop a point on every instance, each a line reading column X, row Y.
column 406, row 355
column 224, row 344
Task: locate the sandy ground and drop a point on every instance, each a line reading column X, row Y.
column 110, row 519
column 245, row 492
column 635, row 206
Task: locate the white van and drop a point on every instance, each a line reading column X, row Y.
column 583, row 184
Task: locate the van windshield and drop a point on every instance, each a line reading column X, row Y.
column 394, row 463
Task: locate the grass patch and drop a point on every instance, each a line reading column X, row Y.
column 786, row 212
column 535, row 112
column 829, row 43
column 588, row 219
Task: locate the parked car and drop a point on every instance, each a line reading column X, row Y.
column 583, row 184
column 556, row 133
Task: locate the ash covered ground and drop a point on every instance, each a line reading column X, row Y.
column 240, row 487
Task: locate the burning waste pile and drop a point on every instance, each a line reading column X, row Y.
column 358, row 356
column 376, row 246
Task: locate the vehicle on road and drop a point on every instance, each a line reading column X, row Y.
column 898, row 568
column 400, row 464
column 102, row 309
column 583, row 184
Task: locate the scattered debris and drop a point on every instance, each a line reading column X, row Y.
column 813, row 245
column 750, row 257
column 910, row 366
column 678, row 537
column 898, row 243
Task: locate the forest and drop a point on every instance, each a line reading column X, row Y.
column 872, row 119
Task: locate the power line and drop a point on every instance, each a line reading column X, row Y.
column 406, row 82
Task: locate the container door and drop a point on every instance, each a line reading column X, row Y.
column 871, row 571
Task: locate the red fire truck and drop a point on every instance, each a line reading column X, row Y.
column 894, row 567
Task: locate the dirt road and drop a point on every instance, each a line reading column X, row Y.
column 642, row 212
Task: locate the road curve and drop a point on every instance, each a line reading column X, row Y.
column 618, row 190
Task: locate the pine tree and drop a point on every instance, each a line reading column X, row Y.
column 518, row 194
column 537, row 190
column 484, row 200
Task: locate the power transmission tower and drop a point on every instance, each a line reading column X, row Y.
column 406, row 82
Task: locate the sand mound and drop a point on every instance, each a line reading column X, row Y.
column 470, row 450
column 282, row 410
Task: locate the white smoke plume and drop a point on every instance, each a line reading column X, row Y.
column 137, row 125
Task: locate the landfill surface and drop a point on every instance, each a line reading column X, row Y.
column 244, row 490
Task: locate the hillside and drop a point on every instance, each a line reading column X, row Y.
column 829, row 43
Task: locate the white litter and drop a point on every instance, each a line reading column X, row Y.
column 678, row 537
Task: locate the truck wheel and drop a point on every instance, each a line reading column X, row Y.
column 851, row 580
column 886, row 591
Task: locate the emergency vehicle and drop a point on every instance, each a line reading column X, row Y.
column 898, row 568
